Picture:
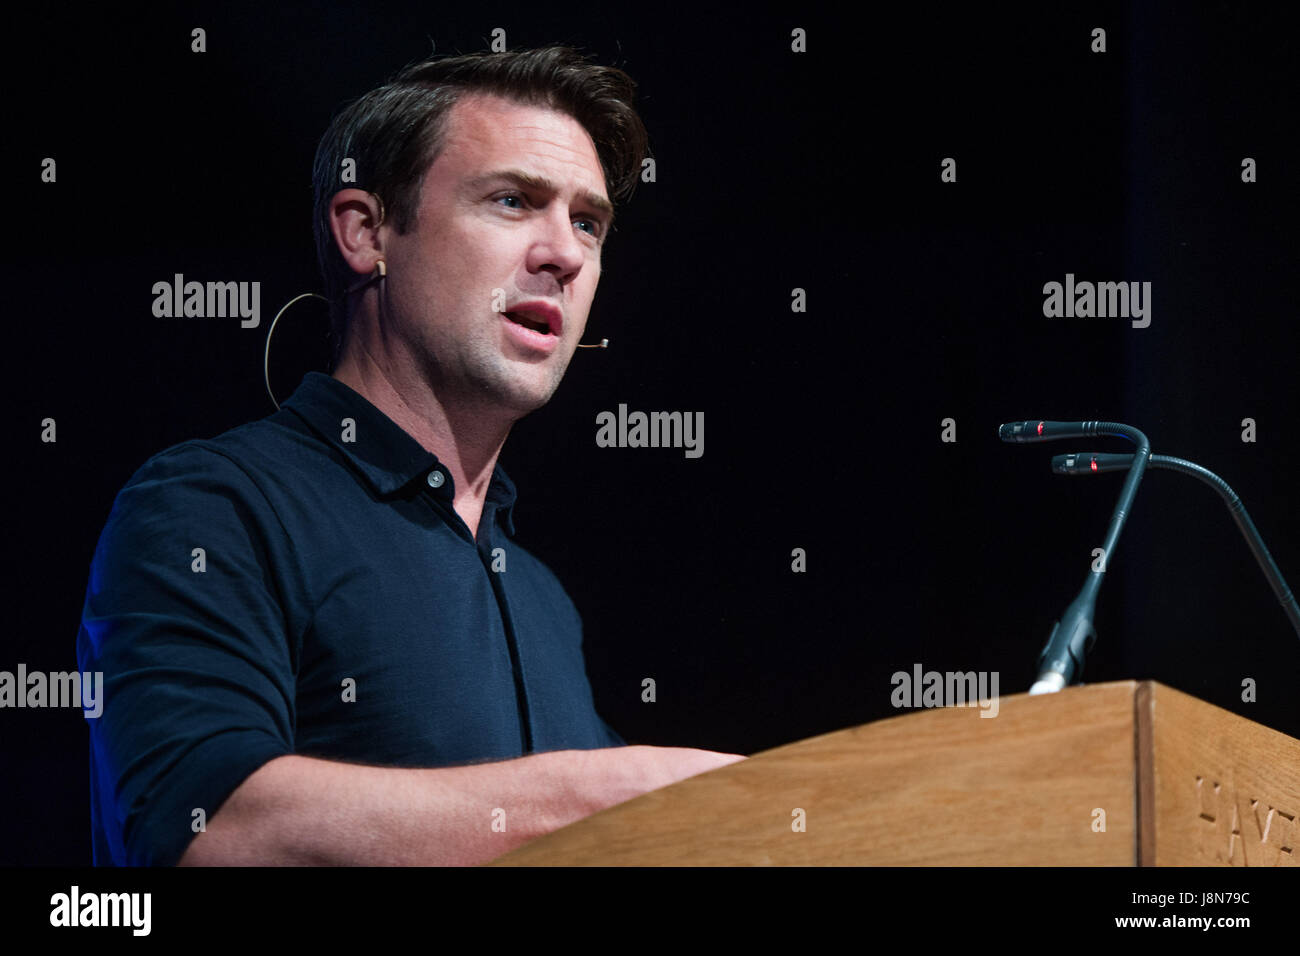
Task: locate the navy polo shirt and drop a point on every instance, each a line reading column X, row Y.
column 302, row 585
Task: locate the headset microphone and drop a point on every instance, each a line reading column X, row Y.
column 380, row 272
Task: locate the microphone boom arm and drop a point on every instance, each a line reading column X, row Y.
column 1066, row 465
column 1061, row 661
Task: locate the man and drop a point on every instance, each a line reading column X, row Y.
column 320, row 644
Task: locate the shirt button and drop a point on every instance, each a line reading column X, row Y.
column 436, row 479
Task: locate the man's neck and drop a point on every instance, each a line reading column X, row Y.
column 466, row 443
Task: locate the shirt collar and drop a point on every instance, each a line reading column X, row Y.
column 383, row 453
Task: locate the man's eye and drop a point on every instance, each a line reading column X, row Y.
column 593, row 228
column 512, row 197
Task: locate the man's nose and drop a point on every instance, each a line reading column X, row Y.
column 557, row 248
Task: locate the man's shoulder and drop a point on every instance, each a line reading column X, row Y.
column 241, row 455
column 231, row 478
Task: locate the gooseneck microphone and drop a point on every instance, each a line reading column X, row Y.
column 1062, row 658
column 1087, row 463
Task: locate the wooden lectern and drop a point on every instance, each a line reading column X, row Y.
column 1120, row 774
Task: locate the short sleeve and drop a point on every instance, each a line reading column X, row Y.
column 185, row 618
column 614, row 739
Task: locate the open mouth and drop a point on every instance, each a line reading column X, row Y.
column 530, row 322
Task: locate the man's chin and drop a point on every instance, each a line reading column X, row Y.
column 500, row 386
column 521, row 399
column 527, row 393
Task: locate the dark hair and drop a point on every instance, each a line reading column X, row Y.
column 395, row 132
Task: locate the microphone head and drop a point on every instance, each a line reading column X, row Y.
column 1020, row 431
column 1065, row 464
column 1090, row 463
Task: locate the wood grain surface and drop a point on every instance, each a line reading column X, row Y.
column 943, row 786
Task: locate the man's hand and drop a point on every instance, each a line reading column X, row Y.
column 663, row 766
column 298, row 810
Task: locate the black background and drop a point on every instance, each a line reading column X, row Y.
column 775, row 170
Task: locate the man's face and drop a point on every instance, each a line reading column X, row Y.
column 512, row 216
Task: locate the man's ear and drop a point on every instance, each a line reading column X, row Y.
column 356, row 218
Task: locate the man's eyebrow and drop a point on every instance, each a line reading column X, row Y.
column 541, row 184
